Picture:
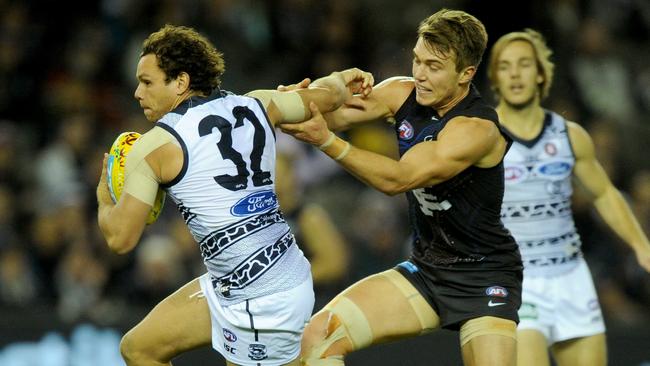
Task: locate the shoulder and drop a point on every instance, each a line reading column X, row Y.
column 472, row 123
column 580, row 140
column 393, row 91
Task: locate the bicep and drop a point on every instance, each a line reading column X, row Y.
column 587, row 169
column 460, row 144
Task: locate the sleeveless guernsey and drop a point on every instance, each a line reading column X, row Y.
column 537, row 202
column 456, row 224
column 226, row 195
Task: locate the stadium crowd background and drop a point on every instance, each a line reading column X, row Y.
column 66, row 91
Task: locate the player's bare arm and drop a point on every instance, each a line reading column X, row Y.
column 382, row 103
column 327, row 92
column 608, row 200
column 462, row 143
column 153, row 160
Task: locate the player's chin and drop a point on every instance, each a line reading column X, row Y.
column 150, row 115
column 425, row 99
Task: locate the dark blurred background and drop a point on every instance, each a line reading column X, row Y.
column 66, row 91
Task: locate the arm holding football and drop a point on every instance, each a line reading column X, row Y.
column 121, row 224
column 134, row 198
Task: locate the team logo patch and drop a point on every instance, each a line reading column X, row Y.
column 229, row 335
column 550, row 148
column 497, row 291
column 405, row 130
column 257, row 352
column 255, row 203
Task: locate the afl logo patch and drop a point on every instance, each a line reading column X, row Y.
column 255, row 203
column 229, row 335
column 497, row 291
column 405, row 130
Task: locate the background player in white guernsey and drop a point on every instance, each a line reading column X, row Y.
column 214, row 152
column 559, row 303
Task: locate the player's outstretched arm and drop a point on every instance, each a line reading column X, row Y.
column 462, row 143
column 328, row 93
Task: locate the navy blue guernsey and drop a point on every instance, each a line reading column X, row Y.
column 457, row 223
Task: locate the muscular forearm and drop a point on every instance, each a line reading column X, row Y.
column 336, row 90
column 110, row 224
column 613, row 208
column 377, row 171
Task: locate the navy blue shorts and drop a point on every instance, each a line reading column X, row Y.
column 458, row 295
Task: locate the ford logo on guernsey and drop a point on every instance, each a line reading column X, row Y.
column 229, row 335
column 496, row 291
column 555, row 168
column 255, row 203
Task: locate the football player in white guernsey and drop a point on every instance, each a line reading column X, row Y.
column 214, row 153
column 559, row 308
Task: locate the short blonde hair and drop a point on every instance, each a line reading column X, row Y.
column 542, row 58
column 455, row 30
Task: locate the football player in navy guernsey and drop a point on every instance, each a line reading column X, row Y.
column 560, row 307
column 214, row 153
column 465, row 269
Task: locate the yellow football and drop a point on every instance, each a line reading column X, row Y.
column 115, row 172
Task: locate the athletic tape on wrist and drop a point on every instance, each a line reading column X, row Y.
column 330, row 141
column 343, row 153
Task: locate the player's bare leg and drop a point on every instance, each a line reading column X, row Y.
column 489, row 341
column 532, row 348
column 585, row 351
column 179, row 323
column 379, row 308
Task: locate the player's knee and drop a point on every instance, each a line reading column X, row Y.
column 323, row 343
column 128, row 348
column 315, row 331
column 135, row 352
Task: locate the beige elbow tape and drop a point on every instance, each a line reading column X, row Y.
column 140, row 181
column 289, row 104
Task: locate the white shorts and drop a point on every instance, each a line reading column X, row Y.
column 561, row 307
column 262, row 331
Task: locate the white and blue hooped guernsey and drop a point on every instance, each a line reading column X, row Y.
column 225, row 193
column 537, row 200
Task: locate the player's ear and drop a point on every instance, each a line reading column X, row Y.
column 182, row 82
column 467, row 74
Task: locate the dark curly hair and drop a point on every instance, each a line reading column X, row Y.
column 182, row 49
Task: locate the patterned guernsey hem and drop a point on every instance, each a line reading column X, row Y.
column 253, row 267
column 216, row 242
